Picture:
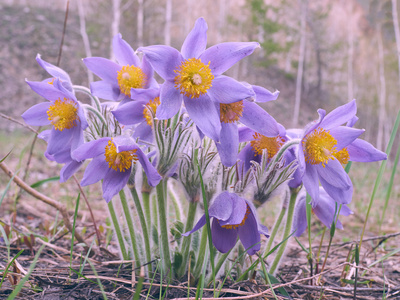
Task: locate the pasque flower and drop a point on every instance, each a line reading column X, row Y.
column 233, row 216
column 194, row 75
column 139, row 112
column 67, row 117
column 118, row 79
column 325, row 146
column 325, row 211
column 251, row 115
column 113, row 159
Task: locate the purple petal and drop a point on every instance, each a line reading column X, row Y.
column 362, row 151
column 222, row 238
column 46, row 90
column 149, row 72
column 123, row 52
column 225, row 55
column 239, row 208
column 144, row 132
column 310, row 181
column 171, row 101
column 53, row 70
column 164, row 60
column 69, row 169
column 249, row 235
column 199, row 224
column 114, row 181
column 246, row 155
column 196, row 41
column 345, row 135
column 336, row 182
column 105, row 90
column 104, row 68
column 264, row 95
column 228, row 145
column 130, row 113
column 222, row 206
column 204, row 114
column 340, row 115
column 258, row 119
column 91, row 149
column 228, row 90
column 246, row 134
column 300, row 216
column 59, row 140
column 95, row 171
column 37, row 114
column 145, row 94
column 153, row 178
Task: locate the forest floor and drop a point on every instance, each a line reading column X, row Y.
column 60, row 273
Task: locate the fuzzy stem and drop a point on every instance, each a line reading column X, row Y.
column 162, row 219
column 277, row 225
column 287, row 232
column 117, row 230
column 202, row 252
column 187, row 239
column 129, row 222
column 145, row 231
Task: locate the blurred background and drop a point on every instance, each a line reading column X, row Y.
column 318, row 54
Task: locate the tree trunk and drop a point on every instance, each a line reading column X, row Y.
column 350, row 55
column 115, row 23
column 303, row 5
column 382, row 89
column 140, row 24
column 168, row 14
column 84, row 35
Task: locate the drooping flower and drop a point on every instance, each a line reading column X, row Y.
column 139, row 112
column 251, row 115
column 65, row 113
column 113, row 159
column 325, row 146
column 325, row 211
column 194, row 75
column 233, row 216
column 118, row 79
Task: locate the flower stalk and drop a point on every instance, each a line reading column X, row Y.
column 118, row 231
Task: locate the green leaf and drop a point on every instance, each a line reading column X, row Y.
column 41, row 182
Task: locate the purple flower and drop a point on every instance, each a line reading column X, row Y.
column 67, row 116
column 112, row 161
column 137, row 112
column 233, row 216
column 324, row 210
column 249, row 114
column 325, row 146
column 257, row 143
column 194, row 75
column 119, row 79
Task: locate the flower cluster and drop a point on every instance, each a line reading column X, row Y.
column 157, row 124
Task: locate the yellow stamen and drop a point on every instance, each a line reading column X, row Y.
column 193, row 78
column 232, row 112
column 153, row 104
column 131, row 77
column 121, row 161
column 271, row 144
column 242, row 223
column 320, row 146
column 63, row 114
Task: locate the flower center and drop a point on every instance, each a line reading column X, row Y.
column 63, row 114
column 121, row 161
column 131, row 77
column 320, row 146
column 271, row 144
column 242, row 223
column 193, row 78
column 148, row 115
column 231, row 112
